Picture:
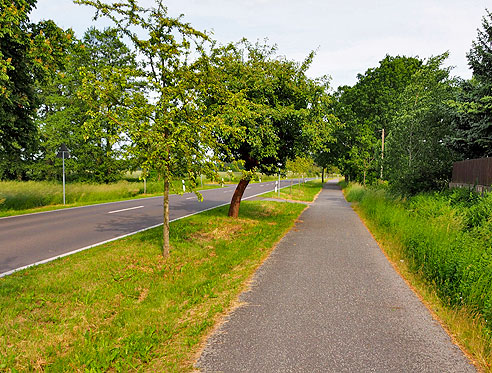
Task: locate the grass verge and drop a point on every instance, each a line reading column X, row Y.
column 122, row 307
column 427, row 239
column 304, row 192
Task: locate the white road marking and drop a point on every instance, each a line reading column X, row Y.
column 128, row 209
column 190, row 198
column 114, row 239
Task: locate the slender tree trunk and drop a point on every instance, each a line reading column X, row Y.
column 236, row 198
column 165, row 240
column 322, row 175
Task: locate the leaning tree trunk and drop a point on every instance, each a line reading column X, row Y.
column 165, row 240
column 236, row 198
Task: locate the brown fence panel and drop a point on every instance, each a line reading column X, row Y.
column 473, row 171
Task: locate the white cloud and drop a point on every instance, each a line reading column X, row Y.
column 352, row 35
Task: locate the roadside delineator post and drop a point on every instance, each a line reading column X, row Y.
column 63, row 153
column 279, row 183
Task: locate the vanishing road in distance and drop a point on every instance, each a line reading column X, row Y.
column 36, row 238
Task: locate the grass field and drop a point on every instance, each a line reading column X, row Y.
column 301, row 192
column 442, row 244
column 123, row 307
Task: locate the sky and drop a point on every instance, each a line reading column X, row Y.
column 348, row 36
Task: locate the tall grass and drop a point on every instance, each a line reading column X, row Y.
column 446, row 238
column 16, row 195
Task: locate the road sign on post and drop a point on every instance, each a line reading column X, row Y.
column 63, row 153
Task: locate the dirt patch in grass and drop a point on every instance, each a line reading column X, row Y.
column 227, row 230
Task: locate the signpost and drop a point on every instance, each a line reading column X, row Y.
column 63, row 153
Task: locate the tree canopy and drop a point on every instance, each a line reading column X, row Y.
column 366, row 109
column 473, row 107
column 28, row 54
column 417, row 157
column 276, row 112
column 156, row 106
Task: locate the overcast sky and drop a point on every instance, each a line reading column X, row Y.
column 350, row 36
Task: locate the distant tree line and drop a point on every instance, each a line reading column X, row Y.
column 170, row 101
column 429, row 119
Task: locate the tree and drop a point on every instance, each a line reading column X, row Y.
column 417, row 157
column 300, row 166
column 365, row 110
column 164, row 124
column 272, row 105
column 28, row 53
column 472, row 136
column 95, row 156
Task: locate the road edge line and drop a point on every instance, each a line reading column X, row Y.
column 113, row 239
column 96, row 204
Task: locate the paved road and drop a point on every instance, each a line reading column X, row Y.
column 33, row 238
column 327, row 300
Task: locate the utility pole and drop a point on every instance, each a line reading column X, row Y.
column 382, row 152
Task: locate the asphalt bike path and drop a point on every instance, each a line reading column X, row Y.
column 40, row 237
column 328, row 300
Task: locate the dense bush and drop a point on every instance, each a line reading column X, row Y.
column 446, row 237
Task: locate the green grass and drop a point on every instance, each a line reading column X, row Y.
column 34, row 196
column 301, row 192
column 123, row 307
column 17, row 198
column 444, row 242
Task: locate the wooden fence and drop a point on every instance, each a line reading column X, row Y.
column 472, row 172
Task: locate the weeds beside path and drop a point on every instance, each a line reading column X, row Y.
column 440, row 243
column 328, row 300
column 121, row 306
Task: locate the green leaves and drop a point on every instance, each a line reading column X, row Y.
column 274, row 110
column 417, row 158
column 29, row 54
column 157, row 105
column 472, row 135
column 367, row 108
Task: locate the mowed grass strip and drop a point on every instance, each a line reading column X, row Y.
column 304, row 192
column 123, row 307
